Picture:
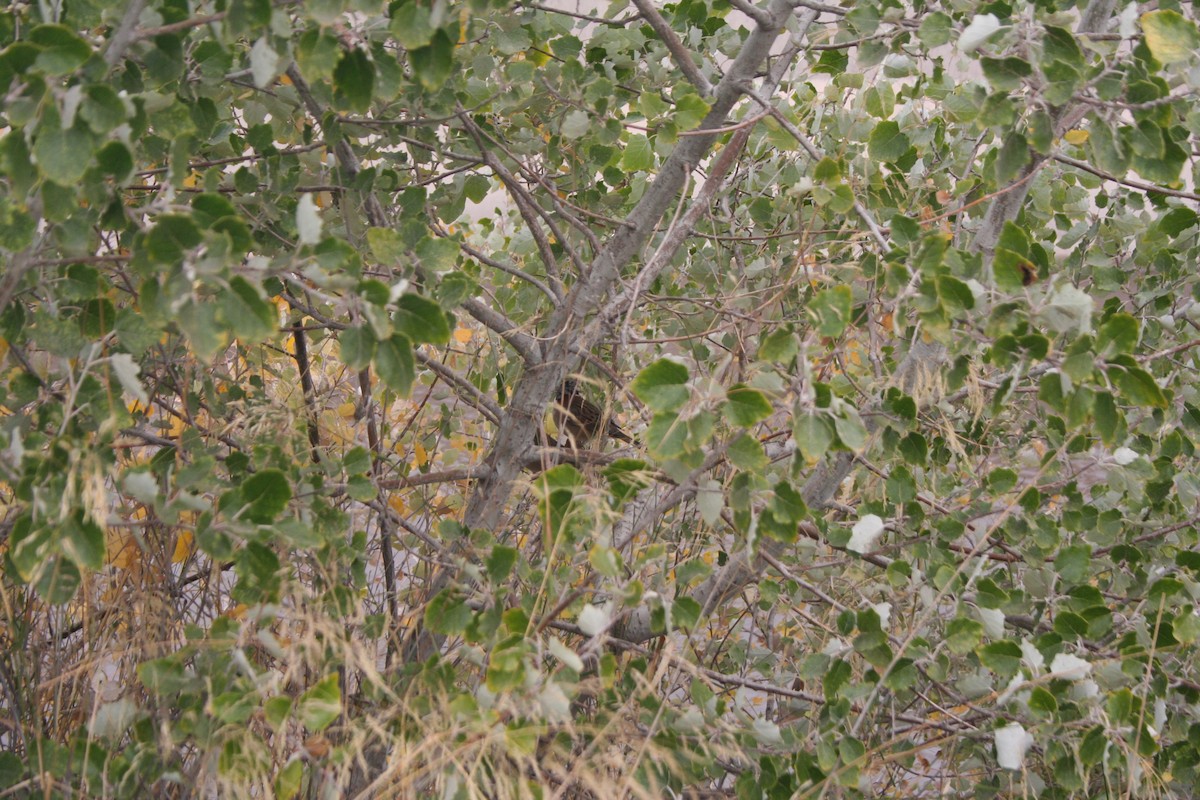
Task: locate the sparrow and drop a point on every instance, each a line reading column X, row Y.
column 580, row 417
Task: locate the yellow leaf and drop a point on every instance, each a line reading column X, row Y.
column 462, row 335
column 1076, row 136
column 420, row 455
column 121, row 549
column 397, row 504
column 346, row 410
column 184, row 547
column 1170, row 36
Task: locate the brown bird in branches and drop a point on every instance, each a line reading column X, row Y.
column 580, row 417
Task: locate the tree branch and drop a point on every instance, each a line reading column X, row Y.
column 533, row 391
column 681, row 55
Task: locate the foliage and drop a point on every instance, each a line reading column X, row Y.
column 899, row 298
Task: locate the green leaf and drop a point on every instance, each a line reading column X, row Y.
column 448, row 614
column 62, row 155
column 289, row 780
column 354, row 79
column 266, row 494
column 251, row 317
column 886, row 142
column 1005, row 74
column 500, row 563
column 626, row 477
column 837, row 676
column 357, row 461
column 198, row 321
column 421, row 320
column 12, row 770
column 575, row 124
column 82, row 541
column 685, row 613
column 171, row 236
column 935, row 29
column 1042, row 701
column 387, row 246
column 357, row 347
column 963, row 635
column 850, row 429
column 830, row 310
column 745, row 406
column 395, row 362
column 1093, row 745
column 903, row 675
column 321, row 705
column 434, row 63
column 1012, row 157
column 690, row 111
column 1002, row 480
column 438, row 255
column 1119, row 334
column 814, row 434
column 638, row 155
column 317, row 55
column 954, row 294
column 779, row 345
column 58, row 581
column 1137, row 386
column 62, row 51
column 746, row 453
column 361, row 488
column 1002, row 657
column 411, row 25
column 1068, row 309
column 1108, row 417
column 1170, row 37
column 1073, row 562
column 662, row 385
column 666, row 436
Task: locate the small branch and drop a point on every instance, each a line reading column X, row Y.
column 446, row 476
column 1149, row 104
column 1141, row 186
column 555, row 297
column 176, row 27
column 527, row 205
column 477, row 399
column 300, row 340
column 1170, row 351
column 125, row 34
column 612, row 23
column 236, row 159
column 525, row 345
column 752, row 11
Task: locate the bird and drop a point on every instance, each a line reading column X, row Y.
column 580, row 417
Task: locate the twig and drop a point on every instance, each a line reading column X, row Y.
column 125, row 34
column 1132, row 184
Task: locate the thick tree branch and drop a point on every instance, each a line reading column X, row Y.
column 525, row 345
column 531, row 394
